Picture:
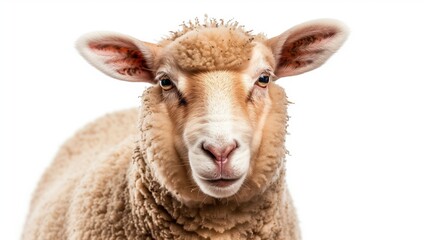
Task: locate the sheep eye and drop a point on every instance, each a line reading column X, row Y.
column 263, row 80
column 166, row 84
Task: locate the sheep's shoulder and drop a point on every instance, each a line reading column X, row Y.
column 93, row 161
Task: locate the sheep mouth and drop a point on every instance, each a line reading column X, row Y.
column 220, row 187
column 222, row 182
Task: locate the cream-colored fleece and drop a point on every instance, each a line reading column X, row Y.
column 104, row 184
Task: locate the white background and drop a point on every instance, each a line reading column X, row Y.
column 359, row 135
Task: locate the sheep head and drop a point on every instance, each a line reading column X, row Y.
column 216, row 84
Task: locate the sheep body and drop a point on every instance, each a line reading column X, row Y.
column 101, row 186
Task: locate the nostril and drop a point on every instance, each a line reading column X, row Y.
column 209, row 150
column 219, row 153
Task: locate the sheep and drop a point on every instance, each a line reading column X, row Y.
column 207, row 160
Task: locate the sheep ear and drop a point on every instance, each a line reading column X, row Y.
column 119, row 56
column 306, row 46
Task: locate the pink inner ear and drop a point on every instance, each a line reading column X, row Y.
column 298, row 53
column 127, row 60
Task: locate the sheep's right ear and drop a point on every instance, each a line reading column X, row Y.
column 119, row 56
column 307, row 46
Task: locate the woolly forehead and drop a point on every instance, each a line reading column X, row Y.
column 209, row 49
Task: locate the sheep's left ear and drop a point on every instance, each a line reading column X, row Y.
column 306, row 46
column 119, row 56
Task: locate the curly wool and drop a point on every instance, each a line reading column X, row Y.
column 213, row 45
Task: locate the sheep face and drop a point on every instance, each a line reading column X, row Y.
column 219, row 115
column 216, row 82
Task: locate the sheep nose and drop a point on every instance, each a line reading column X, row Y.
column 220, row 153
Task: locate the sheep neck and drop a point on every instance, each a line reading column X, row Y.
column 158, row 213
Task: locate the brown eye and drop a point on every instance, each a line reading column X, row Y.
column 263, row 80
column 166, row 84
